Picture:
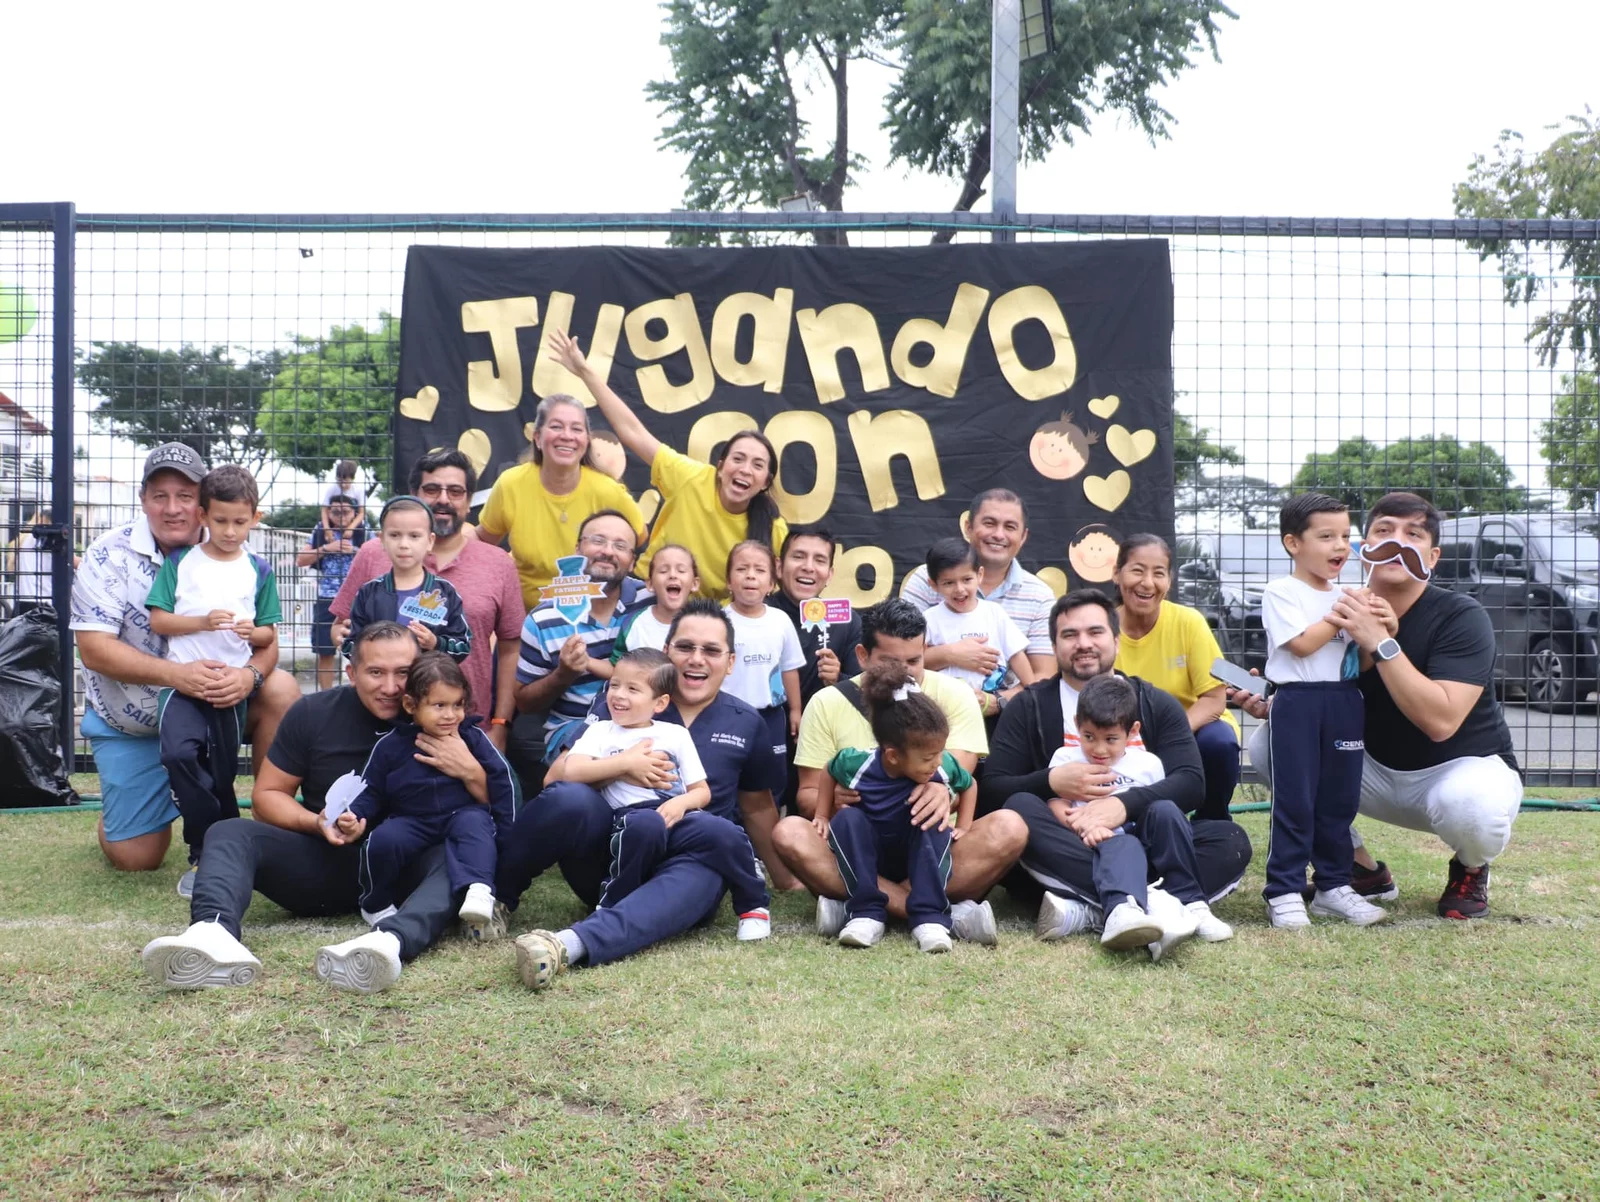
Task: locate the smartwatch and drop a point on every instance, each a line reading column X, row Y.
column 1386, row 650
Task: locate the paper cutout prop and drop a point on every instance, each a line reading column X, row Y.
column 1093, row 552
column 1103, row 407
column 1130, row 449
column 420, row 407
column 572, row 592
column 819, row 613
column 1378, row 554
column 607, row 452
column 1107, row 492
column 1059, row 450
column 428, row 608
column 341, row 795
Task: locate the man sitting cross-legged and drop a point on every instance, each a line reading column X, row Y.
column 835, row 720
column 290, row 855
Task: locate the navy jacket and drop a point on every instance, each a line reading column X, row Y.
column 378, row 601
column 399, row 783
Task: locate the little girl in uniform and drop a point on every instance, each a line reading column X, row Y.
column 875, row 837
column 767, row 656
column 416, row 806
column 674, row 578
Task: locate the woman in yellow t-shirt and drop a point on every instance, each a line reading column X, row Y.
column 540, row 505
column 710, row 509
column 1172, row 647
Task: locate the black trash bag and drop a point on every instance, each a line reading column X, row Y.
column 31, row 769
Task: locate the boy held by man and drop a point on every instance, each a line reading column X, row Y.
column 1137, row 914
column 963, row 614
column 214, row 601
column 1318, row 723
column 653, row 821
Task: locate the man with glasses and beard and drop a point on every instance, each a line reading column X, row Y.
column 484, row 576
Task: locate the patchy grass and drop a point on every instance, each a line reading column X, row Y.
column 1418, row 1060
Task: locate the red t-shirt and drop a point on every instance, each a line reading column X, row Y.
column 486, row 578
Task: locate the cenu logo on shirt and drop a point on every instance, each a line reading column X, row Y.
column 1349, row 745
column 758, row 657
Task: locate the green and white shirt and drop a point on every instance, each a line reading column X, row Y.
column 191, row 584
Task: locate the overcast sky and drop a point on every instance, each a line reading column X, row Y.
column 1355, row 109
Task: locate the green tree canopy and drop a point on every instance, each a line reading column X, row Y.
column 1454, row 475
column 1560, row 181
column 205, row 399
column 1570, row 440
column 332, row 398
column 741, row 69
column 1192, row 449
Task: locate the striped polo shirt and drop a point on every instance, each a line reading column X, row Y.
column 1024, row 597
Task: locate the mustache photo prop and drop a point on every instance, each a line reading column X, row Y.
column 1390, row 550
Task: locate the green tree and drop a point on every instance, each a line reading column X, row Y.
column 205, row 399
column 1560, row 181
column 1192, row 449
column 1570, row 440
column 741, row 69
column 333, row 398
column 1454, row 475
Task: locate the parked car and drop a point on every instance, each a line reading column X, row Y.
column 1538, row 575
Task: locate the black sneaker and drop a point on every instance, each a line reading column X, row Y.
column 1374, row 884
column 1467, row 894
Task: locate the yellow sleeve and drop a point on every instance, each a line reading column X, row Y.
column 674, row 472
column 780, row 531
column 619, row 498
column 818, row 742
column 960, row 706
column 1202, row 651
column 499, row 511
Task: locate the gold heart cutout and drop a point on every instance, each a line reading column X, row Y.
column 1130, row 448
column 420, row 408
column 1104, row 406
column 1108, row 491
column 474, row 444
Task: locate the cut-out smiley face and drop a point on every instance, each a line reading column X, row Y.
column 1093, row 552
column 1059, row 450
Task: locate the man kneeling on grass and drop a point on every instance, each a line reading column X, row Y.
column 303, row 863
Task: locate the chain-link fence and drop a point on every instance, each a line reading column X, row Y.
column 1353, row 356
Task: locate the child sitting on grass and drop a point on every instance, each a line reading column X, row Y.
column 876, row 837
column 216, row 601
column 426, row 605
column 414, row 806
column 1136, row 914
column 674, row 578
column 653, row 822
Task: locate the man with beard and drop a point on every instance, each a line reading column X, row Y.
column 571, row 824
column 483, row 575
column 564, row 664
column 1040, row 720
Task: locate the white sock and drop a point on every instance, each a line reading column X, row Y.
column 576, row 952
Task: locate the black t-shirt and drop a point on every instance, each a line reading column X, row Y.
column 842, row 641
column 322, row 737
column 1447, row 636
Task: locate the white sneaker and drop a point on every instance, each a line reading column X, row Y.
column 205, row 956
column 931, row 937
column 1062, row 916
column 1287, row 912
column 830, row 917
column 1174, row 918
column 1128, row 926
column 373, row 918
column 1344, row 902
column 477, row 913
column 186, row 884
column 367, row 964
column 1208, row 928
column 861, row 932
column 755, row 924
column 974, row 922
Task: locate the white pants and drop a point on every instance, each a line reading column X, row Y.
column 1469, row 802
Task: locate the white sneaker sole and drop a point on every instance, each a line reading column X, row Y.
column 1354, row 920
column 936, row 948
column 179, row 966
column 1140, row 935
column 362, row 970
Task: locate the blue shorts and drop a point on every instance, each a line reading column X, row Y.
column 322, row 621
column 134, row 792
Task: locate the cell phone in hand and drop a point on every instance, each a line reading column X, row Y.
column 1232, row 674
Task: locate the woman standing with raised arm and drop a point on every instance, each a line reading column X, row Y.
column 707, row 508
column 541, row 504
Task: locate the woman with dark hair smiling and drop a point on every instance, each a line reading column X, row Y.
column 709, row 508
column 1172, row 647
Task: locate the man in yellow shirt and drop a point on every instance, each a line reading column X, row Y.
column 833, row 721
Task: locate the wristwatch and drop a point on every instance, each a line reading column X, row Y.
column 1386, row 650
column 260, row 679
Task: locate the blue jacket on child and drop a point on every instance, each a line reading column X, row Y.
column 379, row 601
column 399, row 783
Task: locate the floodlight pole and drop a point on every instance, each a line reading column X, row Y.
column 1005, row 69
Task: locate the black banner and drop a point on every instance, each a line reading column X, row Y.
column 896, row 384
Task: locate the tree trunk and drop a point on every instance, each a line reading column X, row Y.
column 971, row 184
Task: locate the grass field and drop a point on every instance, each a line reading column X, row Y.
column 1423, row 1059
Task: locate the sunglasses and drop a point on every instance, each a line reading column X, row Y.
column 709, row 650
column 1390, row 550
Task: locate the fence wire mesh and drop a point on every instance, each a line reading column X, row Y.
column 1352, row 356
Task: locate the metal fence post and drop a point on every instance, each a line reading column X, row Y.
column 64, row 220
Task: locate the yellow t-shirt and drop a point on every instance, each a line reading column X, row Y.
column 831, row 724
column 692, row 516
column 542, row 526
column 1176, row 656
